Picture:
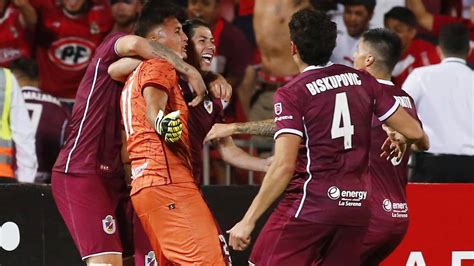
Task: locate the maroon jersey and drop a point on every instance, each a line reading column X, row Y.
column 14, row 42
column 66, row 44
column 201, row 120
column 389, row 178
column 49, row 119
column 94, row 142
column 331, row 108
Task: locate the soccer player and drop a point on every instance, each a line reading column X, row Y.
column 328, row 108
column 87, row 181
column 49, row 118
column 168, row 202
column 377, row 53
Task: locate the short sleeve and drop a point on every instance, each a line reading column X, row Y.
column 385, row 104
column 412, row 86
column 159, row 74
column 110, row 42
column 288, row 112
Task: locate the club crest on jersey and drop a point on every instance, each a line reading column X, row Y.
column 150, row 259
column 209, row 106
column 95, row 28
column 108, row 224
column 278, row 108
column 71, row 53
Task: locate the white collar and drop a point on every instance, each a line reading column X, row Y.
column 313, row 67
column 453, row 59
column 30, row 88
column 386, row 82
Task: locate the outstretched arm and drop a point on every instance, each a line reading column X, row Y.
column 264, row 128
column 239, row 158
column 29, row 17
column 424, row 18
column 276, row 180
column 131, row 45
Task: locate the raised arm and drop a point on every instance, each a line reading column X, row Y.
column 29, row 17
column 264, row 128
column 239, row 158
column 425, row 19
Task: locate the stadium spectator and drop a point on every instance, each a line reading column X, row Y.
column 233, row 51
column 318, row 158
column 68, row 34
column 416, row 52
column 15, row 131
column 16, row 18
column 125, row 13
column 444, row 97
column 49, row 118
column 357, row 15
column 433, row 22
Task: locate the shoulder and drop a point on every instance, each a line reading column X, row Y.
column 158, row 65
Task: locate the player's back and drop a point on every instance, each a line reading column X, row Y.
column 94, row 142
column 331, row 108
column 49, row 120
column 389, row 178
column 155, row 162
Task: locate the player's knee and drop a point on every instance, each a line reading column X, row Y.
column 105, row 260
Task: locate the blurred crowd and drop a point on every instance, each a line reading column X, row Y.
column 47, row 45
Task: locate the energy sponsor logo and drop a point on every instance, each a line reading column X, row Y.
column 397, row 209
column 347, row 198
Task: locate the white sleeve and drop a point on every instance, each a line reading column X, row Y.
column 413, row 86
column 23, row 136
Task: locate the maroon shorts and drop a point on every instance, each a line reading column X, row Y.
column 379, row 243
column 285, row 240
column 97, row 212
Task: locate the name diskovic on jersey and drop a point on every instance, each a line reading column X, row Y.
column 333, row 82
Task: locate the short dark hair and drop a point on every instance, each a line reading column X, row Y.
column 454, row 40
column 191, row 24
column 27, row 66
column 155, row 12
column 401, row 14
column 368, row 4
column 314, row 35
column 386, row 45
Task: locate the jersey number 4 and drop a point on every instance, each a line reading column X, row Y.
column 341, row 111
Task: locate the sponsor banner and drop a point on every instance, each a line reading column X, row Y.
column 441, row 230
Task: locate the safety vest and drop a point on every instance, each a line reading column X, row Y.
column 6, row 144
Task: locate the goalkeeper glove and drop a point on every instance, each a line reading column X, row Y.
column 169, row 126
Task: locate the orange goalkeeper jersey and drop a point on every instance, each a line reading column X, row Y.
column 155, row 162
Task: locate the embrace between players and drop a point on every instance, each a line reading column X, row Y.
column 325, row 131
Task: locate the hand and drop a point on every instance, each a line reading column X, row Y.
column 169, row 126
column 198, row 85
column 395, row 144
column 239, row 235
column 219, row 131
column 220, row 88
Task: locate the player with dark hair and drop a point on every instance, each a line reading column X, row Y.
column 454, row 40
column 88, row 182
column 165, row 197
column 377, row 53
column 328, row 109
column 415, row 52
